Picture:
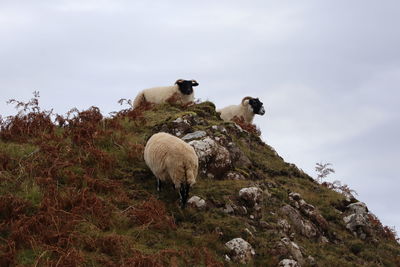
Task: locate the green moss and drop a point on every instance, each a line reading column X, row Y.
column 31, row 192
column 17, row 151
column 26, row 257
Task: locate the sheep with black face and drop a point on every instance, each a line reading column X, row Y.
column 181, row 91
column 246, row 110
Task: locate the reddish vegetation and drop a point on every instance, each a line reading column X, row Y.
column 384, row 231
column 77, row 188
column 249, row 127
column 151, row 213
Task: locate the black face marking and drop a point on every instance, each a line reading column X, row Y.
column 186, row 86
column 257, row 106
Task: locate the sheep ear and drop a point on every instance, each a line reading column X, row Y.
column 195, row 83
column 179, row 81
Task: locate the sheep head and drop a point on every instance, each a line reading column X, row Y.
column 186, row 86
column 255, row 105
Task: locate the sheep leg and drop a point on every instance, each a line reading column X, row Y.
column 161, row 176
column 184, row 194
column 181, row 194
column 159, row 184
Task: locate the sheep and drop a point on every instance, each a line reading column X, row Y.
column 182, row 89
column 247, row 109
column 169, row 157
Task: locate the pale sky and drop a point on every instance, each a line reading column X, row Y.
column 328, row 71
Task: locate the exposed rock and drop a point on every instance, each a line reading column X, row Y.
column 293, row 249
column 218, row 231
column 288, row 263
column 240, row 250
column 311, row 261
column 227, row 258
column 214, row 159
column 309, row 210
column 204, row 148
column 194, row 135
column 301, row 225
column 247, row 231
column 228, row 209
column 358, row 208
column 239, row 159
column 178, row 120
column 220, row 128
column 323, row 239
column 358, row 222
column 241, row 210
column 295, row 196
column 221, row 162
column 234, row 176
column 251, row 195
column 197, row 202
column 180, row 125
column 284, row 225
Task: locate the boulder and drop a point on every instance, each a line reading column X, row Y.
column 293, row 249
column 231, row 175
column 197, row 202
column 221, row 162
column 358, row 220
column 358, row 208
column 284, row 226
column 214, row 160
column 309, row 210
column 194, row 135
column 238, row 158
column 228, row 209
column 204, row 148
column 240, row 210
column 240, row 250
column 288, row 263
column 252, row 196
column 180, row 126
column 301, row 225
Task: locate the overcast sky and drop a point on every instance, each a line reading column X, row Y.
column 328, row 71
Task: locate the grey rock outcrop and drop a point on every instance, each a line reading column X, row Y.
column 288, row 263
column 231, row 175
column 358, row 221
column 251, row 195
column 214, row 159
column 197, row 202
column 293, row 249
column 240, row 250
column 301, row 225
column 194, row 135
column 309, row 211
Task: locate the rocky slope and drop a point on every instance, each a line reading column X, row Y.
column 78, row 193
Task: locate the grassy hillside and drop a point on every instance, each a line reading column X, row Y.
column 75, row 191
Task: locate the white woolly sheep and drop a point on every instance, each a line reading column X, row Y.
column 182, row 89
column 168, row 157
column 247, row 109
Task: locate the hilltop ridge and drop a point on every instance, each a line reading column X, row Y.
column 75, row 191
